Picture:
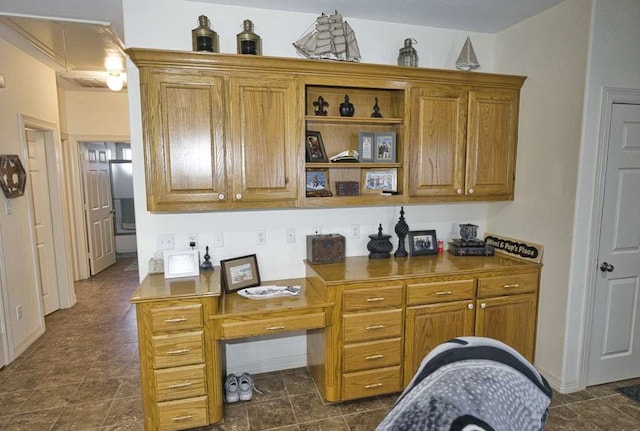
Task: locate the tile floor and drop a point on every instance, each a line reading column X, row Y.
column 82, row 374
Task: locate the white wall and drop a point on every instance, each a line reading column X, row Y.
column 379, row 43
column 614, row 61
column 554, row 57
column 30, row 90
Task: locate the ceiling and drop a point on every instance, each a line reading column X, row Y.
column 78, row 37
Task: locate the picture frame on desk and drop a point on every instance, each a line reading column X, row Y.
column 423, row 242
column 314, row 148
column 376, row 181
column 366, row 142
column 385, row 147
column 181, row 263
column 239, row 272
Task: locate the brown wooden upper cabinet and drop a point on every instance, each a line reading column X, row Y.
column 463, row 143
column 225, row 132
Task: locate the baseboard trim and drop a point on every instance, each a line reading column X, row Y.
column 558, row 384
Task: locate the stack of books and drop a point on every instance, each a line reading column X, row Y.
column 470, row 247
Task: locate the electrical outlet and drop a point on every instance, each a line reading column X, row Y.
column 166, row 241
column 192, row 240
column 291, row 235
column 8, row 208
column 355, row 231
column 261, row 237
column 317, row 230
column 19, row 312
column 218, row 239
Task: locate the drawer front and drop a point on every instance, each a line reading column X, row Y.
column 182, row 414
column 177, row 349
column 375, row 297
column 178, row 383
column 372, row 326
column 369, row 383
column 429, row 293
column 372, row 354
column 236, row 329
column 179, row 317
column 507, row 284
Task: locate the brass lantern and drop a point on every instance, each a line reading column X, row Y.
column 248, row 41
column 203, row 38
column 408, row 55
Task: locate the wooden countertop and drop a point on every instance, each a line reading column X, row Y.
column 155, row 286
column 361, row 268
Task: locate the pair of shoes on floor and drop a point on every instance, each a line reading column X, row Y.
column 238, row 388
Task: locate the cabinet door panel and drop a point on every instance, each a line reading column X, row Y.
column 430, row 325
column 510, row 319
column 437, row 145
column 264, row 116
column 184, row 145
column 492, row 136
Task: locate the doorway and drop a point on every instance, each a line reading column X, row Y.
column 613, row 351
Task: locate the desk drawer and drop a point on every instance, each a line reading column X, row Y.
column 372, row 326
column 372, row 354
column 182, row 414
column 179, row 317
column 375, row 297
column 182, row 382
column 507, row 284
column 429, row 293
column 273, row 325
column 369, row 383
column 177, row 349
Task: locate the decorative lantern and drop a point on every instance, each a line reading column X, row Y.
column 248, row 41
column 203, row 38
column 408, row 55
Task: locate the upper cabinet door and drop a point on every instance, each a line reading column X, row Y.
column 184, row 140
column 436, row 150
column 491, row 143
column 265, row 119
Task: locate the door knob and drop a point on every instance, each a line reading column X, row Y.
column 606, row 267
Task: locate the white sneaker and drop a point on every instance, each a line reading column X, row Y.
column 246, row 387
column 231, row 392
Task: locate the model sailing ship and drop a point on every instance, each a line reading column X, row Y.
column 329, row 38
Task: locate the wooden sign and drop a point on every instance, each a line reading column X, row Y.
column 514, row 247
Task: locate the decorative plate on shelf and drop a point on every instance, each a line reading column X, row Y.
column 267, row 292
column 12, row 176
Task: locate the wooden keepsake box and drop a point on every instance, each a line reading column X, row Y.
column 327, row 248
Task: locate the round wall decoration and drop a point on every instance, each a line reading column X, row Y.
column 12, row 176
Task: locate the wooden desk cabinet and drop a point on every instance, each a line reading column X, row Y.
column 390, row 313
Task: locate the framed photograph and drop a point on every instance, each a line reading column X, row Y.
column 385, row 147
column 183, row 263
column 423, row 242
column 366, row 142
column 314, row 148
column 240, row 272
column 379, row 180
column 317, row 184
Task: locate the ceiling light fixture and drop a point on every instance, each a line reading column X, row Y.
column 115, row 82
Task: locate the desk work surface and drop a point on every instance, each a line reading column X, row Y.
column 362, row 269
column 155, row 287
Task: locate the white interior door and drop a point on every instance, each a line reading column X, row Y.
column 42, row 220
column 98, row 207
column 614, row 352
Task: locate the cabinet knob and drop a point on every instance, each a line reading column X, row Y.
column 483, row 305
column 470, row 191
column 470, row 306
column 221, row 196
column 459, row 191
column 238, row 196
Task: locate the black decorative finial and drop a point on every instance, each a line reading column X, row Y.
column 206, row 265
column 346, row 108
column 402, row 229
column 379, row 245
column 376, row 110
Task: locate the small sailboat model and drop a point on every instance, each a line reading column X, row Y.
column 467, row 59
column 330, row 38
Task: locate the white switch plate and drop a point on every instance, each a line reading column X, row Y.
column 218, row 239
column 166, row 241
column 291, row 235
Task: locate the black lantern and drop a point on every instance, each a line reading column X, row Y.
column 408, row 55
column 248, row 41
column 202, row 37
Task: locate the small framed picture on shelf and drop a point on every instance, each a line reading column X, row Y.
column 366, row 141
column 317, row 184
column 379, row 180
column 423, row 242
column 314, row 148
column 385, row 147
column 240, row 272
